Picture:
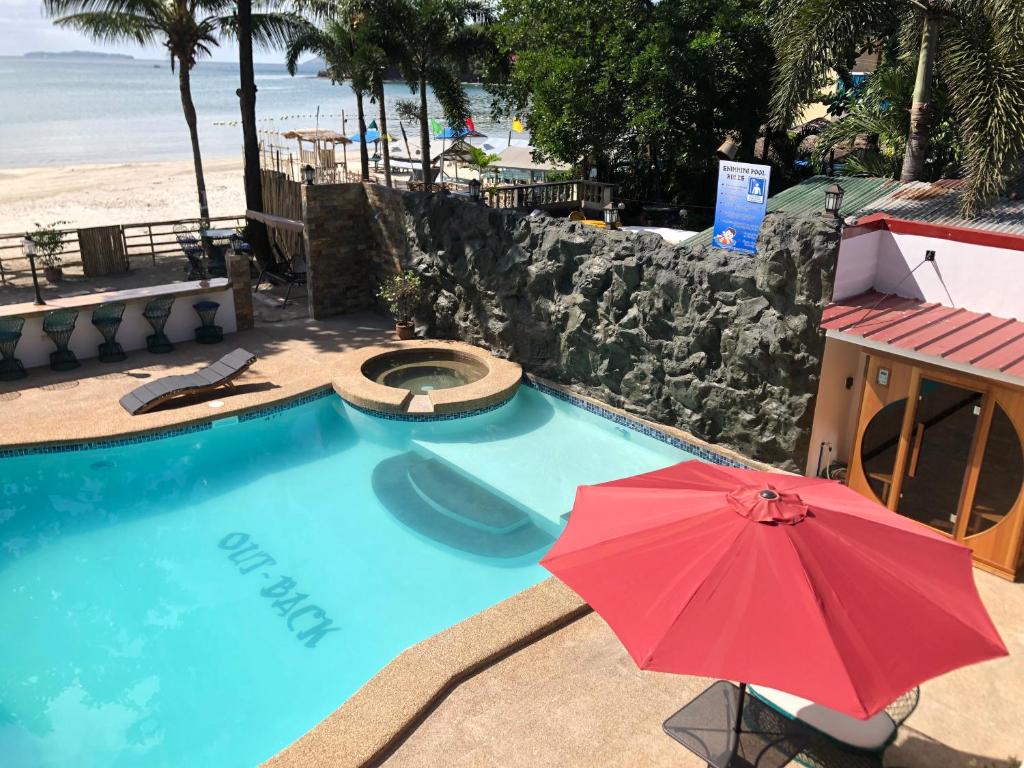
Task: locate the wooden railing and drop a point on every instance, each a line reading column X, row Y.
column 592, row 195
column 150, row 240
column 328, row 170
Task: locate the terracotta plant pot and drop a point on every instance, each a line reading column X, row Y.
column 405, row 330
column 53, row 274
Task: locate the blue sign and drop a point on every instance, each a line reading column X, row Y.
column 740, row 206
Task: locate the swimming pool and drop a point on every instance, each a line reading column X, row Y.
column 204, row 599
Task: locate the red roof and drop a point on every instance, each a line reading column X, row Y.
column 957, row 336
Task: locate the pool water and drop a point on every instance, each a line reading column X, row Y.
column 422, row 370
column 205, row 599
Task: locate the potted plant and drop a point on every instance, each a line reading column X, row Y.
column 402, row 293
column 49, row 242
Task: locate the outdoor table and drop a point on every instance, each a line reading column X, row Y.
column 215, row 244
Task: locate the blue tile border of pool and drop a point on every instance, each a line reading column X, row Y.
column 160, row 434
column 636, row 425
column 326, row 391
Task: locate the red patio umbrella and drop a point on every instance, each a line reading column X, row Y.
column 789, row 582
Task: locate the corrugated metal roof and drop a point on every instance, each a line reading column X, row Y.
column 957, row 336
column 937, row 203
column 809, row 197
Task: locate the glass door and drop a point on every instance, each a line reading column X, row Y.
column 941, row 440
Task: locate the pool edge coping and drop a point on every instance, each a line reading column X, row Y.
column 366, row 729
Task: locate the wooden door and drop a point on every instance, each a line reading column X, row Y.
column 945, row 449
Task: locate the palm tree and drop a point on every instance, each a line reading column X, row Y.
column 346, row 57
column 877, row 122
column 267, row 28
column 976, row 47
column 188, row 30
column 480, row 160
column 433, row 41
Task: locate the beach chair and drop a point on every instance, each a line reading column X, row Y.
column 221, row 374
column 290, row 272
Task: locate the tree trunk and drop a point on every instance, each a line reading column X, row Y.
column 193, row 132
column 384, row 132
column 255, row 232
column 920, row 111
column 364, row 159
column 424, row 134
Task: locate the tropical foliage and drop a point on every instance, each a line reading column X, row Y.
column 874, row 126
column 480, row 160
column 188, row 30
column 348, row 55
column 968, row 75
column 641, row 91
column 434, row 42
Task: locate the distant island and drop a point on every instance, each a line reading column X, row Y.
column 77, row 55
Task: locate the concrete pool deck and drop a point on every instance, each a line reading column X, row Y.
column 534, row 681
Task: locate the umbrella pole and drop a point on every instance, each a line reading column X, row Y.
column 739, row 709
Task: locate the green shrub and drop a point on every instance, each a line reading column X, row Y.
column 402, row 293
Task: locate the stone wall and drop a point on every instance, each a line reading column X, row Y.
column 720, row 344
column 340, row 245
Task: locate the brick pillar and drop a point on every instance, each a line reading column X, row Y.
column 339, row 244
column 241, row 288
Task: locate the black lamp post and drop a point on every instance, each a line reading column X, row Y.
column 474, row 190
column 28, row 246
column 834, row 200
column 308, row 174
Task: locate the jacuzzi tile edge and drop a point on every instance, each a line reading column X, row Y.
column 260, row 412
column 635, row 424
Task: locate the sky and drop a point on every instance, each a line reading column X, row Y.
column 23, row 28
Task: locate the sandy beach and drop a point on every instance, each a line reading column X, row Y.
column 122, row 193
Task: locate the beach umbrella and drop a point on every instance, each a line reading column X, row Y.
column 790, row 582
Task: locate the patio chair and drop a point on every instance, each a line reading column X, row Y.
column 292, row 272
column 59, row 324
column 156, row 312
column 10, row 334
column 837, row 740
column 193, row 250
column 220, row 374
column 107, row 319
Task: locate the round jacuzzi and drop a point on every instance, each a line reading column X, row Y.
column 425, row 379
column 424, row 369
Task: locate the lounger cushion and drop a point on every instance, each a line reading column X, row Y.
column 873, row 734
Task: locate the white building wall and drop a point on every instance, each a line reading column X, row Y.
column 981, row 278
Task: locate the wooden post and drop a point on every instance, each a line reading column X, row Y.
column 152, row 247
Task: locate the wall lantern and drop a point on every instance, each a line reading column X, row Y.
column 729, row 149
column 28, row 247
column 308, row 174
column 474, row 190
column 834, row 199
column 610, row 215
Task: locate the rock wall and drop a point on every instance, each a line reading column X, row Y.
column 721, row 344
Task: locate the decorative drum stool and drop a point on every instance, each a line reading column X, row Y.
column 208, row 333
column 10, row 334
column 156, row 312
column 59, row 324
column 107, row 319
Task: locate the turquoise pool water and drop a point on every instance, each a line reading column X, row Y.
column 204, row 599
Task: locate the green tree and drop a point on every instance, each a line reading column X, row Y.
column 643, row 92
column 347, row 57
column 434, row 42
column 874, row 125
column 188, row 30
column 480, row 160
column 974, row 47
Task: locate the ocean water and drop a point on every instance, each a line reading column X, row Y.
column 72, row 112
column 205, row 599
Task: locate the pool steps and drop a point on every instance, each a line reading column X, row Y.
column 460, row 498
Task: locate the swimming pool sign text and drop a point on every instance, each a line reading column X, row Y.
column 308, row 621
